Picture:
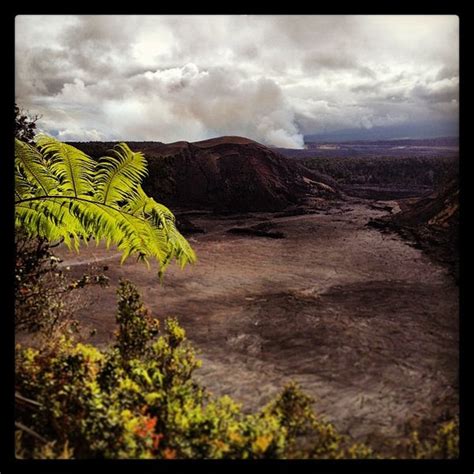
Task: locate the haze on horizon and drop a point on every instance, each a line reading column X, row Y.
column 271, row 78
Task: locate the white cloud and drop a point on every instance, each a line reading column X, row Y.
column 80, row 134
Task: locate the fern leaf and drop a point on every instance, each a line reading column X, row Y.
column 24, row 189
column 73, row 168
column 40, row 219
column 163, row 220
column 32, row 166
column 119, row 176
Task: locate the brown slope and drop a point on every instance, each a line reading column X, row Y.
column 432, row 223
column 439, row 210
column 232, row 174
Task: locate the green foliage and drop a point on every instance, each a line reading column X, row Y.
column 136, row 326
column 63, row 194
column 309, row 435
column 138, row 399
column 443, row 445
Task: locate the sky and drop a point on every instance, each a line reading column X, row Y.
column 271, row 78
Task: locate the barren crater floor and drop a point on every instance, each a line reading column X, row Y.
column 365, row 323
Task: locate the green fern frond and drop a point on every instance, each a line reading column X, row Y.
column 137, row 203
column 38, row 219
column 163, row 220
column 24, row 189
column 72, row 167
column 119, row 176
column 66, row 196
column 32, row 166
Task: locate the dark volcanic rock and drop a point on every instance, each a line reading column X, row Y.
column 258, row 230
column 187, row 227
column 230, row 174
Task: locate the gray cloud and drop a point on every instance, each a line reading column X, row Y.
column 367, row 88
column 447, row 72
column 271, row 78
column 438, row 92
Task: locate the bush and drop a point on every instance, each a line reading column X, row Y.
column 44, row 297
column 443, row 445
column 36, row 279
column 25, row 125
column 138, row 399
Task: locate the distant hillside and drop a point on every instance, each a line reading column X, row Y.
column 229, row 174
column 386, row 177
column 423, row 142
column 403, row 148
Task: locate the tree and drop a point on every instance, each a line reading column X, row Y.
column 61, row 193
column 25, row 126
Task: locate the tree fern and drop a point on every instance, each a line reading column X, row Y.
column 61, row 193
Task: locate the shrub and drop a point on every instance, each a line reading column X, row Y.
column 136, row 326
column 443, row 445
column 37, row 283
column 44, row 296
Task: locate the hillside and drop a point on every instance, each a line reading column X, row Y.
column 387, row 177
column 226, row 174
column 431, row 223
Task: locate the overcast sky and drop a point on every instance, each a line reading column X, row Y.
column 269, row 78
